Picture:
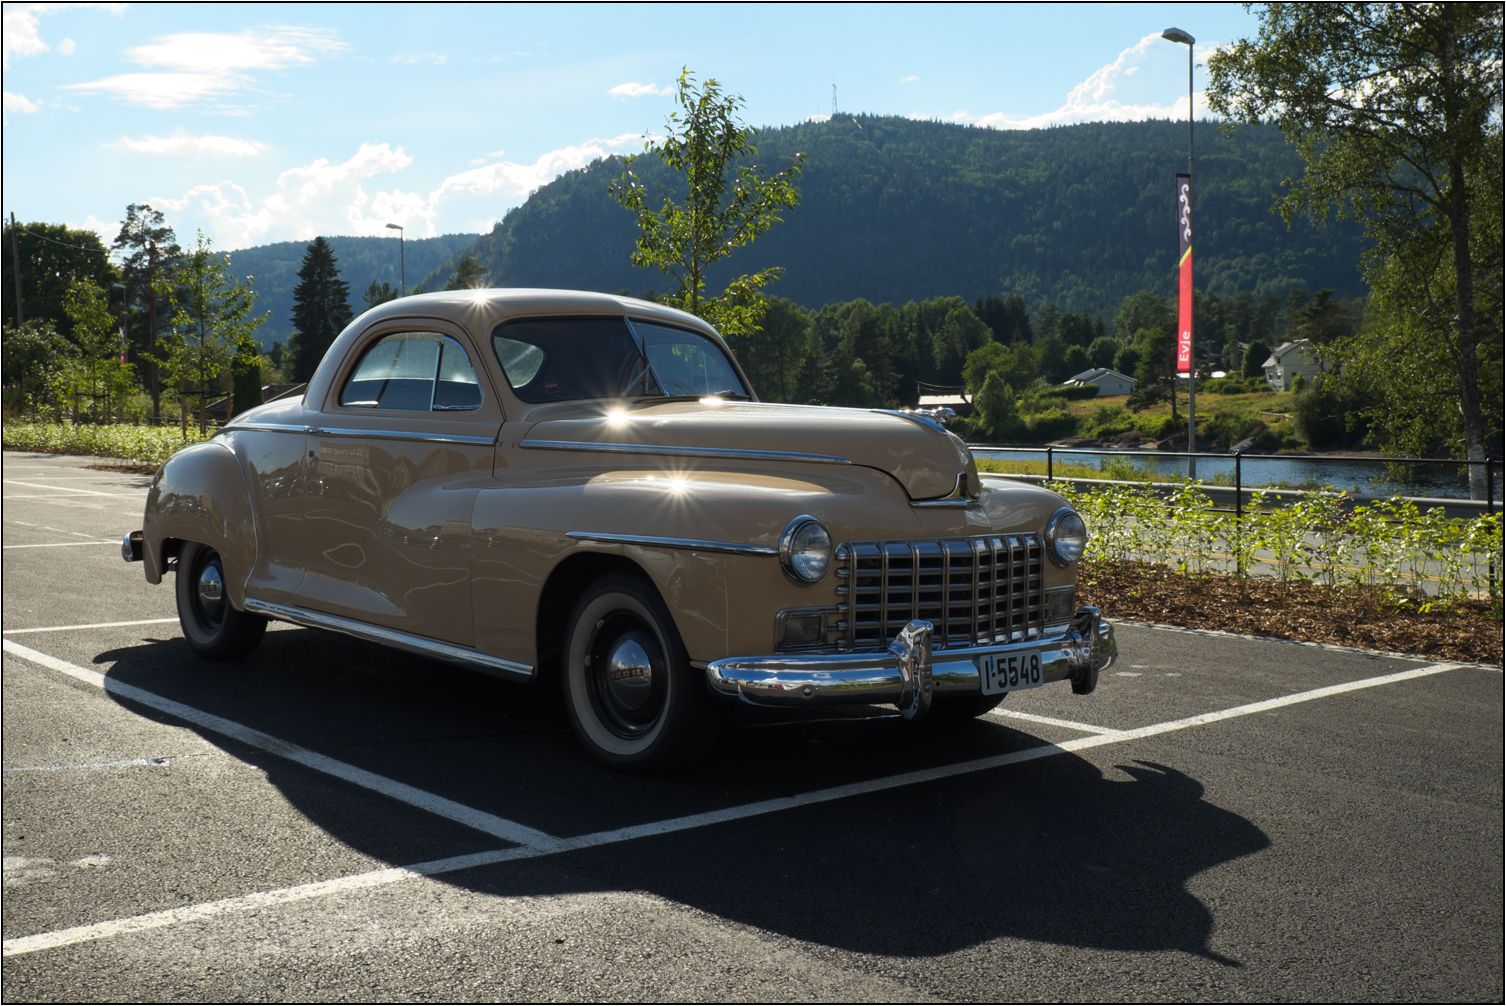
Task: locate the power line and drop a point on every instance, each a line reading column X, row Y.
column 43, row 237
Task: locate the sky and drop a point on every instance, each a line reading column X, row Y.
column 256, row 123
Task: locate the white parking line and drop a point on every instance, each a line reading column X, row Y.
column 509, row 831
column 1086, row 728
column 551, row 845
column 68, row 489
column 90, row 625
column 62, row 544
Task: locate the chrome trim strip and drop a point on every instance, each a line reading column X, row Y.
column 269, row 427
column 821, row 679
column 688, row 543
column 438, row 438
column 927, row 421
column 693, row 452
column 448, row 652
column 958, row 498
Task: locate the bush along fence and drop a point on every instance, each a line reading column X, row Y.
column 1389, row 552
column 149, row 445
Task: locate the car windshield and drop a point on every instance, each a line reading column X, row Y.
column 566, row 359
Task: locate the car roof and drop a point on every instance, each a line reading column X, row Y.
column 481, row 310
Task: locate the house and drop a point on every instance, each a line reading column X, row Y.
column 1109, row 382
column 1287, row 361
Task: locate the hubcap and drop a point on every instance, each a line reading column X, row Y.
column 627, row 676
column 211, row 591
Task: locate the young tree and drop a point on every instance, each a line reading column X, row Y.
column 378, row 293
column 98, row 339
column 722, row 206
column 321, row 310
column 1396, row 108
column 469, row 274
column 37, row 362
column 211, row 314
column 149, row 251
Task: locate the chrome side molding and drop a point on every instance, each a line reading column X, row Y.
column 693, row 544
column 326, row 431
column 448, row 652
column 733, row 453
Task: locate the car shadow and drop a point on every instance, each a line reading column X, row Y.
column 1052, row 850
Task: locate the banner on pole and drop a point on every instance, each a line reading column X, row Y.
column 1184, row 272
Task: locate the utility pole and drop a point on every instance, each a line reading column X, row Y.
column 15, row 257
column 402, row 262
column 1182, row 37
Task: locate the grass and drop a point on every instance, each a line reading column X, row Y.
column 147, row 445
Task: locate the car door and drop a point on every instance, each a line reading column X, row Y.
column 398, row 454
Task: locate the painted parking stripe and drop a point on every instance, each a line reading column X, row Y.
column 498, row 827
column 69, row 489
column 90, row 625
column 251, row 902
column 63, row 544
column 1049, row 721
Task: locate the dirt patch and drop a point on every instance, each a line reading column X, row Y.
column 1466, row 630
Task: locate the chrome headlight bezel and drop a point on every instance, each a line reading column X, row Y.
column 795, row 552
column 1066, row 537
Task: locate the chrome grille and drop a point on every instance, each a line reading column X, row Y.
column 974, row 591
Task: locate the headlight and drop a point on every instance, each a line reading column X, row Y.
column 805, row 550
column 1066, row 537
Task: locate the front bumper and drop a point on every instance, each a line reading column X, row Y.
column 908, row 674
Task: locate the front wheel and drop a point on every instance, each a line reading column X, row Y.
column 634, row 700
column 211, row 624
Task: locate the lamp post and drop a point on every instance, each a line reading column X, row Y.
column 402, row 265
column 1179, row 36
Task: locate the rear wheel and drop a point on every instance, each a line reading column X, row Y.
column 211, row 624
column 634, row 700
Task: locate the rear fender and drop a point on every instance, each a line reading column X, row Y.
column 200, row 495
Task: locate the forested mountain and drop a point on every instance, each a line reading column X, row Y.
column 894, row 210
column 360, row 261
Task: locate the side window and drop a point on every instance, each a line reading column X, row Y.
column 413, row 372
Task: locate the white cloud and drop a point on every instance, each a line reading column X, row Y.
column 181, row 144
column 206, row 64
column 107, row 230
column 19, row 103
column 639, row 90
column 437, row 58
column 1109, row 94
column 906, row 80
column 23, row 35
column 66, row 46
column 327, row 198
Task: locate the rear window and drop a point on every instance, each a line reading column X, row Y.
column 413, row 372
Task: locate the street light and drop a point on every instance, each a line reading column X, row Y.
column 1181, row 37
column 402, row 265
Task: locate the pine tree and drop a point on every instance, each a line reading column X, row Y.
column 321, row 309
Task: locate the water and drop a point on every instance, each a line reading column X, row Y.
column 1438, row 479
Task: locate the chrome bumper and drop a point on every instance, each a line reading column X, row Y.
column 908, row 673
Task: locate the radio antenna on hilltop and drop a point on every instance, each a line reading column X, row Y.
column 834, row 97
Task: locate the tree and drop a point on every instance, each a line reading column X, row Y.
column 321, row 309
column 37, row 362
column 378, row 293
column 1396, row 109
column 53, row 257
column 1254, row 362
column 149, row 250
column 995, row 402
column 211, row 315
column 469, row 274
column 721, row 207
column 1156, row 373
column 98, row 340
column 773, row 355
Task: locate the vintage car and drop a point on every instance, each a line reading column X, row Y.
column 585, row 487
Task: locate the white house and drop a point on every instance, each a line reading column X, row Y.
column 1287, row 361
column 1109, row 382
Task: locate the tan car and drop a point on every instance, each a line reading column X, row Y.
column 527, row 481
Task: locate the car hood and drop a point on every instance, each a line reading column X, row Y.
column 922, row 456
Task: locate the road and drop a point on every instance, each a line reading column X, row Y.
column 1224, row 819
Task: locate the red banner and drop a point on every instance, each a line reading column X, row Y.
column 1184, row 271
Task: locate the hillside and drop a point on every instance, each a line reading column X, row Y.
column 360, row 259
column 895, row 210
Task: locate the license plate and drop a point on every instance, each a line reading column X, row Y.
column 1009, row 672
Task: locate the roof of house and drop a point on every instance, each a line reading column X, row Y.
column 1097, row 374
column 1282, row 350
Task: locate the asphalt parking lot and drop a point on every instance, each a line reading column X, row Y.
column 1224, row 819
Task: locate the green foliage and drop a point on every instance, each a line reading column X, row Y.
column 379, row 293
column 469, row 274
column 1396, row 110
column 773, row 355
column 53, row 258
column 149, row 251
column 37, row 363
column 995, row 404
column 716, row 205
column 1253, row 365
column 98, row 340
column 321, row 310
column 1386, row 554
column 148, row 444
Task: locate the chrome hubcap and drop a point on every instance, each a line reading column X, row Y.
column 211, row 590
column 630, row 675
column 626, row 675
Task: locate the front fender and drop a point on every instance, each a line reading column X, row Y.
column 200, row 495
